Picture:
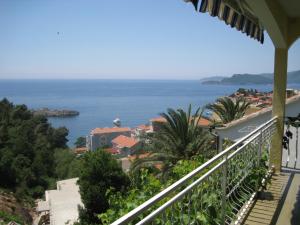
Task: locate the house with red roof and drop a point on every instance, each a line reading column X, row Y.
column 156, row 123
column 80, row 151
column 102, row 137
column 126, row 145
column 141, row 130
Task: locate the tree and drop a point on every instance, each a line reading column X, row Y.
column 229, row 110
column 100, row 173
column 27, row 146
column 67, row 165
column 80, row 142
column 180, row 137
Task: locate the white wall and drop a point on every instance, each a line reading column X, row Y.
column 244, row 126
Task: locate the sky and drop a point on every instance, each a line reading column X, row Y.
column 125, row 39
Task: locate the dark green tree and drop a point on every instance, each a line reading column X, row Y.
column 27, row 146
column 80, row 142
column 228, row 109
column 67, row 165
column 100, row 172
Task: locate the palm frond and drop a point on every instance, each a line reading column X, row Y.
column 180, row 137
column 228, row 110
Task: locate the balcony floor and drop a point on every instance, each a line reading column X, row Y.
column 279, row 204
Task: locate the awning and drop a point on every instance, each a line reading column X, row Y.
column 235, row 13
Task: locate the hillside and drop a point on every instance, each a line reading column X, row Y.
column 247, row 79
column 265, row 78
column 13, row 210
column 213, row 78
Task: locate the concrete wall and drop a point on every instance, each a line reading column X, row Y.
column 244, row 126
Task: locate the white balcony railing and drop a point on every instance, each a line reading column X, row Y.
column 215, row 192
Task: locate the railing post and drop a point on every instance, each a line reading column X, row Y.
column 259, row 147
column 224, row 192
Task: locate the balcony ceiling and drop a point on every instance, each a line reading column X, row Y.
column 291, row 7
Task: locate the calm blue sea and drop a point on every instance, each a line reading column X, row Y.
column 101, row 101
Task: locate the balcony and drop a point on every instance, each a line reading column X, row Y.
column 254, row 181
column 228, row 189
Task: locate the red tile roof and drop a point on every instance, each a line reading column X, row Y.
column 139, row 156
column 144, row 155
column 202, row 122
column 107, row 130
column 124, row 141
column 80, row 150
column 112, row 151
column 144, row 127
column 158, row 119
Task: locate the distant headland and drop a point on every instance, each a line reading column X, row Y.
column 242, row 79
column 54, row 112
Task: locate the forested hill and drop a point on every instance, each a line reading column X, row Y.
column 27, row 146
column 266, row 78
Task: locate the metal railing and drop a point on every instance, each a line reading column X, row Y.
column 215, row 192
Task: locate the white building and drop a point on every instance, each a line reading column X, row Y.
column 241, row 127
column 62, row 204
column 102, row 137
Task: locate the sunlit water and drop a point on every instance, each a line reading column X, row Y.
column 101, row 101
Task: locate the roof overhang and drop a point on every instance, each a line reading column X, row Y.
column 236, row 14
column 280, row 18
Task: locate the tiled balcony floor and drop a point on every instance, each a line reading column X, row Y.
column 279, row 204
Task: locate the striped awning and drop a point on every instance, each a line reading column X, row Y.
column 234, row 13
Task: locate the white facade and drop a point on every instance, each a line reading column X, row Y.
column 95, row 141
column 63, row 203
column 239, row 128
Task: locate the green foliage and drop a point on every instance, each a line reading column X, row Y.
column 229, row 110
column 183, row 167
column 67, row 165
column 100, row 173
column 27, row 146
column 259, row 172
column 8, row 217
column 227, row 143
column 206, row 198
column 178, row 138
column 145, row 186
column 80, row 142
column 247, row 92
column 176, row 147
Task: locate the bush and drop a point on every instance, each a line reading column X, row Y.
column 100, row 173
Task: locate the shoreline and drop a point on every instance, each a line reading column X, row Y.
column 55, row 112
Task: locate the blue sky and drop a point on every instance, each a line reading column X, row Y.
column 127, row 39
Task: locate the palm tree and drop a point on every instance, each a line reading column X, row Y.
column 178, row 138
column 229, row 110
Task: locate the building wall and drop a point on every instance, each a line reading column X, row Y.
column 244, row 127
column 136, row 148
column 101, row 140
column 125, row 151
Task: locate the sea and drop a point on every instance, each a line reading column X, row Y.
column 99, row 102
